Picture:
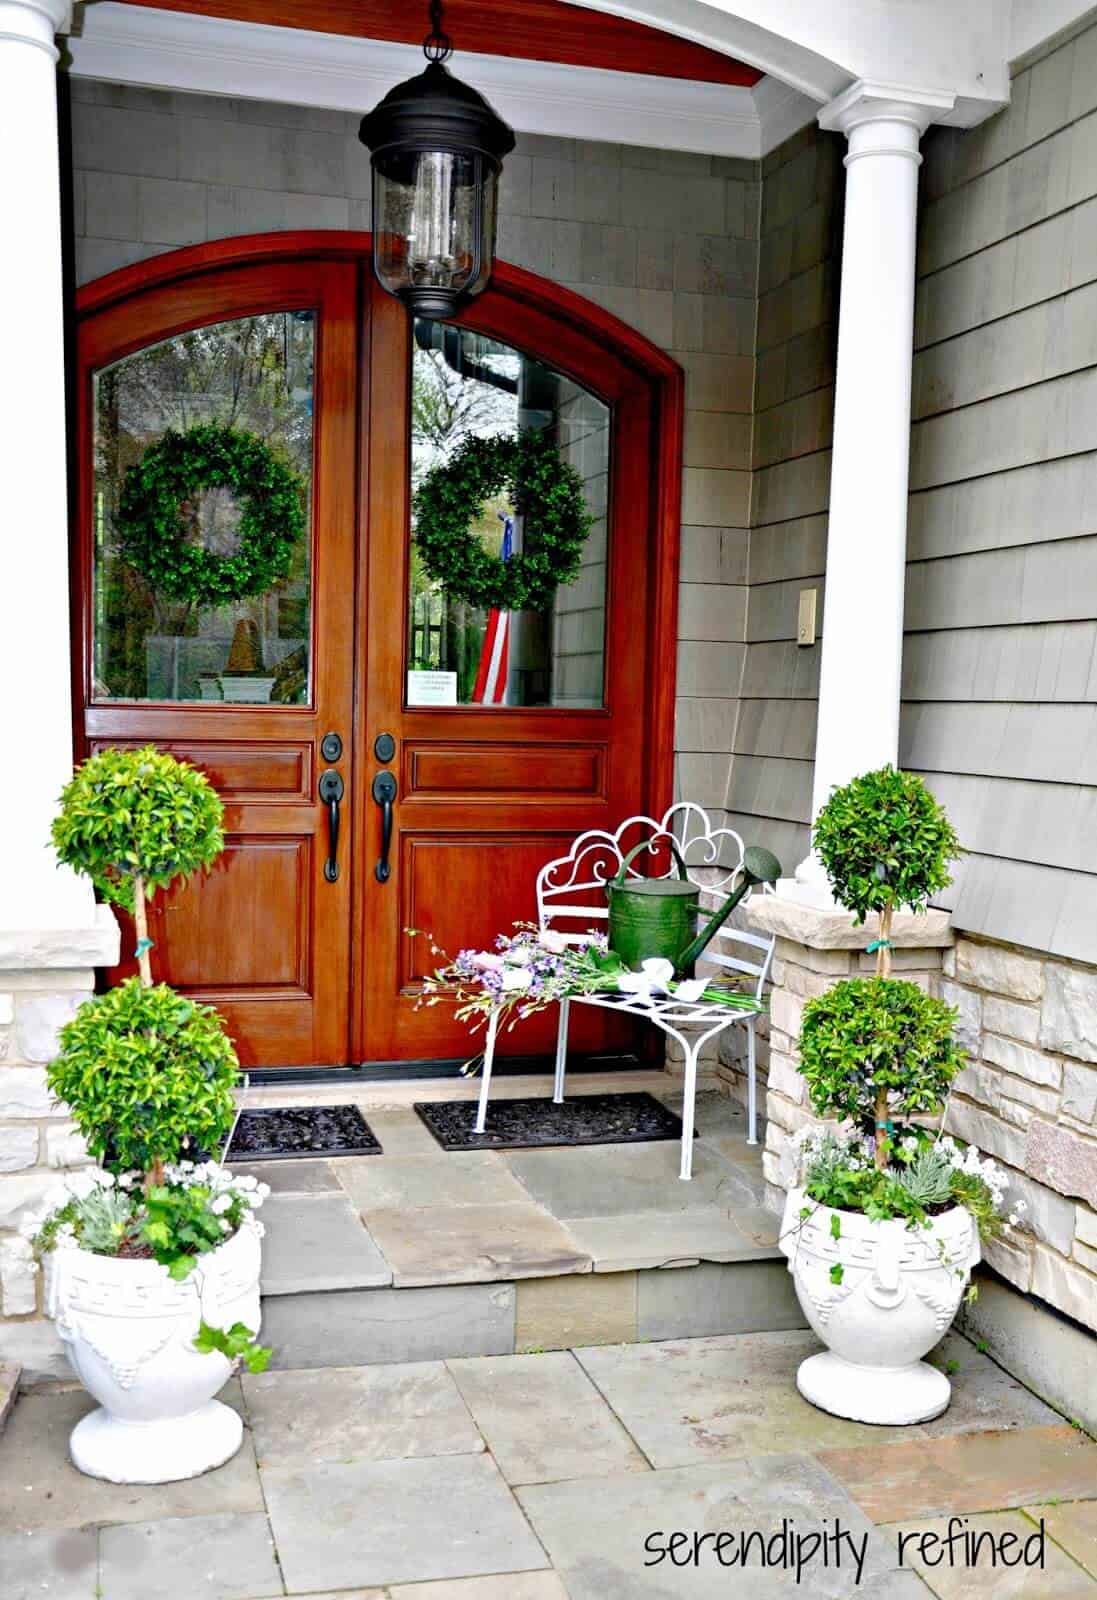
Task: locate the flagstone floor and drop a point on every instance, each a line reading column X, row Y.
column 419, row 1216
column 544, row 1476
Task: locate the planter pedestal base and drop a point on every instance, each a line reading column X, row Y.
column 156, row 1452
column 887, row 1395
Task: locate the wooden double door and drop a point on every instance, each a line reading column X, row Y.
column 351, row 677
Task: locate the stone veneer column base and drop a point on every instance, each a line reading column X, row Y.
column 816, row 946
column 45, row 974
column 1027, row 1097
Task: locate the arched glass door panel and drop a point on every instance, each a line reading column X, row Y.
column 466, row 385
column 202, row 607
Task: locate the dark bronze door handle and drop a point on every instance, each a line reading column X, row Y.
column 331, row 792
column 384, row 793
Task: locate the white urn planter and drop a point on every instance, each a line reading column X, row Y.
column 129, row 1331
column 898, row 1292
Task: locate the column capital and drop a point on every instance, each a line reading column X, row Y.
column 35, row 22
column 865, row 103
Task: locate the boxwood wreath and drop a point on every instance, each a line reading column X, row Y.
column 152, row 534
column 546, row 492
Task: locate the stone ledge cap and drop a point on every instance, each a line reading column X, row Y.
column 833, row 928
column 47, row 949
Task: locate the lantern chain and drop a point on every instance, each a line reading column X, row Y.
column 437, row 45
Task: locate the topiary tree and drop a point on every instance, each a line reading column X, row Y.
column 135, row 821
column 885, row 844
column 148, row 1076
column 876, row 1049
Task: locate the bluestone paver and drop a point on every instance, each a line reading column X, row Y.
column 968, row 1472
column 446, row 1178
column 474, row 1244
column 291, row 1177
column 747, row 1296
column 596, row 1531
column 339, row 1525
column 61, row 1564
column 973, row 1574
column 508, row 1586
column 643, row 1239
column 372, row 1325
column 1074, row 1526
column 227, row 1557
column 317, row 1241
column 619, row 1180
column 575, row 1434
column 377, row 1413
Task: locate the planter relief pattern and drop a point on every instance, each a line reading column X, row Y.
column 898, row 1291
column 129, row 1331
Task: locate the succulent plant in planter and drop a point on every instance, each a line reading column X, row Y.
column 151, row 1257
column 883, row 1225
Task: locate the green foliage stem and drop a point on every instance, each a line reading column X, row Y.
column 868, row 1041
column 885, row 843
column 147, row 1074
column 128, row 814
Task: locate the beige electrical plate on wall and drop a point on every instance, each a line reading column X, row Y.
column 805, row 621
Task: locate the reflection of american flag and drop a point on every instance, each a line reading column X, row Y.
column 491, row 674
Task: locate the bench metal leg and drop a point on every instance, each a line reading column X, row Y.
column 485, row 1078
column 752, row 1085
column 689, row 1104
column 561, row 1053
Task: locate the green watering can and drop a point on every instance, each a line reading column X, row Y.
column 653, row 917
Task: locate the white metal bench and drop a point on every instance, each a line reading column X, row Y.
column 571, row 899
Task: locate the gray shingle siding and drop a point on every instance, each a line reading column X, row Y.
column 1000, row 669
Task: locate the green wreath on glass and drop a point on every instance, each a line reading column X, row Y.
column 152, row 535
column 546, row 492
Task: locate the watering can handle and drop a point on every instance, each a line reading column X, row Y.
column 757, row 866
column 649, row 844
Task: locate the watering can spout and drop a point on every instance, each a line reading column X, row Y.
column 759, row 866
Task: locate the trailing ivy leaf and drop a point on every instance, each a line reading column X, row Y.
column 236, row 1344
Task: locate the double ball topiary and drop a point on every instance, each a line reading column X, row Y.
column 868, row 1038
column 148, row 1076
column 885, row 843
column 129, row 814
column 875, row 1050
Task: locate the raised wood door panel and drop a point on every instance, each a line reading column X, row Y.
column 487, row 795
column 263, row 935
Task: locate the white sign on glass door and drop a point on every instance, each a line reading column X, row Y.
column 432, row 688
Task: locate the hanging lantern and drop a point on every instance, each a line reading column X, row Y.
column 437, row 149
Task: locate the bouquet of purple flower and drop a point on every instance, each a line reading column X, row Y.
column 534, row 968
column 525, row 972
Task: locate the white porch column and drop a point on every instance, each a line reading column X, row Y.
column 35, row 652
column 862, row 644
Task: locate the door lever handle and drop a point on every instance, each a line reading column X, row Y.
column 384, row 793
column 331, row 792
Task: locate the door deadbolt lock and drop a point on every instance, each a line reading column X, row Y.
column 331, row 747
column 384, row 747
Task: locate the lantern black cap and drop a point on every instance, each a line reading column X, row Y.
column 435, row 111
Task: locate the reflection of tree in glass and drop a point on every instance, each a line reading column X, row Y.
column 254, row 374
column 446, row 407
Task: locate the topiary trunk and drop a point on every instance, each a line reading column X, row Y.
column 883, row 970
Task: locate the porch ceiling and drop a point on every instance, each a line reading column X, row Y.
column 534, row 30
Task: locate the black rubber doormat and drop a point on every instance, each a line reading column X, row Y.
column 285, row 1132
column 533, row 1124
